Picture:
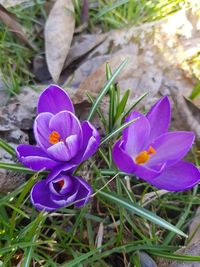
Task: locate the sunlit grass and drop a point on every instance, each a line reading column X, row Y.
column 15, row 57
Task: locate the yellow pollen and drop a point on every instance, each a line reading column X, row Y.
column 144, row 156
column 54, row 137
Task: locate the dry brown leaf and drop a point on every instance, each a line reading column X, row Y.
column 10, row 20
column 100, row 235
column 40, row 69
column 85, row 69
column 94, row 82
column 83, row 45
column 194, row 228
column 59, row 29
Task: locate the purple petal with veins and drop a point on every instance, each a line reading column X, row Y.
column 148, row 151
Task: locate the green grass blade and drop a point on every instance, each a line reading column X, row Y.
column 101, row 116
column 105, row 89
column 35, row 231
column 20, row 199
column 176, row 257
column 135, row 208
column 117, row 131
column 195, row 91
column 81, row 258
column 135, row 104
column 18, row 168
column 112, row 105
column 183, row 218
column 122, row 105
column 110, row 8
column 7, row 148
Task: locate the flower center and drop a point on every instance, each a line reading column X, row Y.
column 144, row 156
column 58, row 185
column 61, row 183
column 54, row 137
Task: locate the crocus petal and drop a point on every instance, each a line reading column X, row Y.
column 64, row 200
column 64, row 151
column 171, row 147
column 58, row 170
column 40, row 197
column 35, row 158
column 59, row 152
column 67, row 186
column 125, row 163
column 84, row 192
column 42, row 130
column 54, row 99
column 66, row 124
column 181, row 176
column 136, row 135
column 122, row 160
column 159, row 118
column 91, row 140
column 146, row 173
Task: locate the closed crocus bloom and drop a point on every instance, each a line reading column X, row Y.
column 63, row 141
column 150, row 152
column 59, row 190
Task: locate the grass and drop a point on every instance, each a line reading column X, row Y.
column 116, row 214
column 117, row 14
column 15, row 57
column 120, row 211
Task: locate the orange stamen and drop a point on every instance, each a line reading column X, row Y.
column 151, row 150
column 144, row 156
column 54, row 137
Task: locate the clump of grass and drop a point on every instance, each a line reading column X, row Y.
column 125, row 13
column 15, row 56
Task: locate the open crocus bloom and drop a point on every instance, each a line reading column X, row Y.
column 63, row 141
column 60, row 190
column 150, row 152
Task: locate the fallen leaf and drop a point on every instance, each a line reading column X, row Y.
column 59, row 29
column 186, row 116
column 194, row 228
column 85, row 69
column 95, row 81
column 40, row 69
column 82, row 45
column 10, row 20
column 85, row 11
column 100, row 235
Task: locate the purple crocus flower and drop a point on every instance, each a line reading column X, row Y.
column 150, row 152
column 59, row 190
column 63, row 141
